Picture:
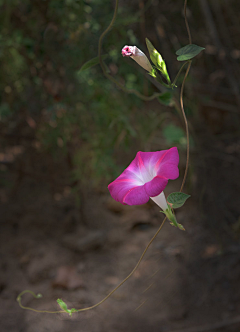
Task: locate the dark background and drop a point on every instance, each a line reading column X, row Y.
column 66, row 133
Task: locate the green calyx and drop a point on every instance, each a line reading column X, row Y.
column 153, row 73
column 158, row 61
column 171, row 217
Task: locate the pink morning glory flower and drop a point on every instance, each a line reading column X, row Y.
column 146, row 177
column 137, row 55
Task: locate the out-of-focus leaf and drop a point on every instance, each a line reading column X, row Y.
column 174, row 134
column 166, row 98
column 91, row 63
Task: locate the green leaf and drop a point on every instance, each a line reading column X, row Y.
column 63, row 306
column 188, row 52
column 91, row 63
column 166, row 98
column 177, row 199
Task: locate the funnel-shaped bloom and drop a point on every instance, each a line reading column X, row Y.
column 137, row 55
column 146, row 177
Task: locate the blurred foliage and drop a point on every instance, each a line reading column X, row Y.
column 174, row 135
column 76, row 114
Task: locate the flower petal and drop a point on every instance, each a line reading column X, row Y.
column 136, row 196
column 137, row 55
column 156, row 186
column 167, row 165
column 128, row 50
column 139, row 170
column 142, row 60
column 170, row 156
column 169, row 171
column 120, row 187
column 150, row 159
column 145, row 177
column 160, row 200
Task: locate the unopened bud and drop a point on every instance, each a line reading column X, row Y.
column 138, row 56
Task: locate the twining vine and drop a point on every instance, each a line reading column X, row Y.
column 186, row 53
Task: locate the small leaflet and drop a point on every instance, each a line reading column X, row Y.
column 63, row 306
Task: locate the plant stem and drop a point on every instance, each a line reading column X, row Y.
column 186, row 22
column 186, row 124
column 180, row 70
column 181, row 98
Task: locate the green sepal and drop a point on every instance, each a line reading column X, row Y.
column 177, row 199
column 159, row 80
column 188, row 52
column 165, row 72
column 176, row 224
column 91, row 63
column 153, row 73
column 157, row 60
column 63, row 306
column 173, row 221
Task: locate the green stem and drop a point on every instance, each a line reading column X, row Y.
column 186, row 22
column 181, row 98
column 186, row 124
column 171, row 217
column 180, row 70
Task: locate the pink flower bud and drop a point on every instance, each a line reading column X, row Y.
column 138, row 56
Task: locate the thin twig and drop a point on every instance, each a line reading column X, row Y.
column 211, row 327
column 216, row 40
column 180, row 70
column 131, row 273
column 186, row 22
column 186, row 125
column 181, row 98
